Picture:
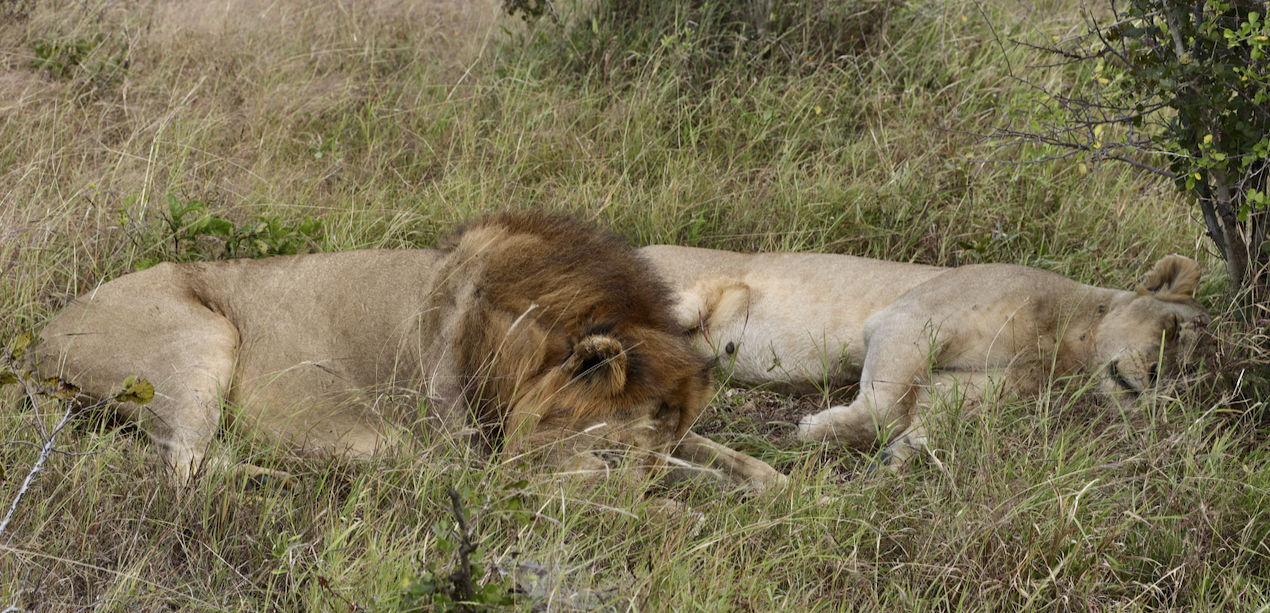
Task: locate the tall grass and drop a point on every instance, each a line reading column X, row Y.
column 390, row 122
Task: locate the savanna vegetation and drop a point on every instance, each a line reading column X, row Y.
column 137, row 132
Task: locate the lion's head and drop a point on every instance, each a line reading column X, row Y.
column 1152, row 334
column 572, row 347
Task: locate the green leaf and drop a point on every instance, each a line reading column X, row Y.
column 179, row 210
column 18, row 344
column 310, row 227
column 196, row 227
column 55, row 387
column 175, row 209
column 218, row 226
column 1258, row 198
column 494, row 594
column 135, row 390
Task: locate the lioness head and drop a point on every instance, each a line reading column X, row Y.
column 573, row 342
column 1154, row 333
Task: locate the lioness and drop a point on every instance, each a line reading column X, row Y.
column 805, row 321
column 543, row 334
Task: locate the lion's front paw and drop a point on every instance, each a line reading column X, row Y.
column 770, row 481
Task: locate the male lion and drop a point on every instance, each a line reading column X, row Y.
column 546, row 335
column 804, row 321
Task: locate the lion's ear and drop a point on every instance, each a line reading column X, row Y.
column 1173, row 277
column 599, row 360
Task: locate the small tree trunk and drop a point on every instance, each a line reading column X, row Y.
column 1236, row 250
column 1216, row 231
column 1258, row 271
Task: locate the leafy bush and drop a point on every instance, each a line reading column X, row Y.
column 1189, row 79
column 465, row 587
column 93, row 64
column 189, row 232
column 1209, row 62
column 60, row 58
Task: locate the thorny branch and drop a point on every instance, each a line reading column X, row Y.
column 46, row 451
column 135, row 390
column 1184, row 94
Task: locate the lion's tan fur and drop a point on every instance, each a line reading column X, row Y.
column 811, row 321
column 544, row 333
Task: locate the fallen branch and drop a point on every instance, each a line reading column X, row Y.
column 47, row 451
column 462, row 576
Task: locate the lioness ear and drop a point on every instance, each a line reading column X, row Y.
column 1172, row 277
column 599, row 360
column 729, row 300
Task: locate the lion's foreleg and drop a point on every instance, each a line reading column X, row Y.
column 185, row 415
column 736, row 467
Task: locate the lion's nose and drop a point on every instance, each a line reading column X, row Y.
column 1113, row 369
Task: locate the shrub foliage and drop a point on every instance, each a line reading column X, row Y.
column 1189, row 80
